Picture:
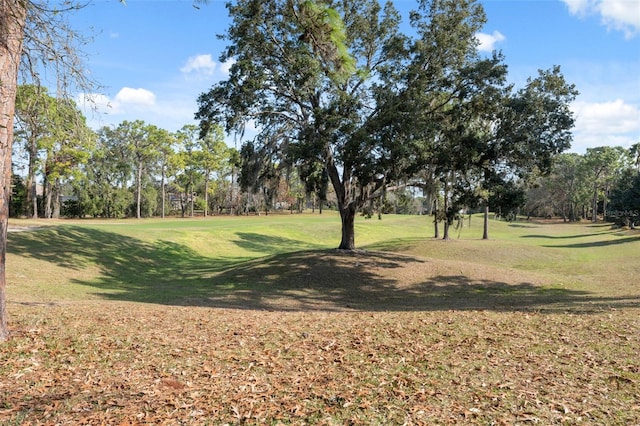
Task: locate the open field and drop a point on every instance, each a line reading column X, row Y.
column 258, row 320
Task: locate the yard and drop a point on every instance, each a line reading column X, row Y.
column 258, row 320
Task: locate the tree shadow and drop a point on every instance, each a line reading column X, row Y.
column 598, row 243
column 339, row 281
column 560, row 237
column 260, row 243
column 130, row 269
column 164, row 272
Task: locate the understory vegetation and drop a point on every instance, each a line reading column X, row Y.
column 257, row 320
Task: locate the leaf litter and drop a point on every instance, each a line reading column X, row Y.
column 126, row 363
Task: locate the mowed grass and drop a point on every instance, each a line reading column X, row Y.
column 258, row 320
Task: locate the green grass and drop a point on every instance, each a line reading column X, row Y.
column 165, row 259
column 173, row 260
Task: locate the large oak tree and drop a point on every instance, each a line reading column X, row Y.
column 305, row 73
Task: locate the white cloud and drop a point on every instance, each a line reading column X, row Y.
column 621, row 15
column 127, row 95
column 226, row 66
column 171, row 113
column 487, row 42
column 578, row 7
column 201, row 64
column 613, row 123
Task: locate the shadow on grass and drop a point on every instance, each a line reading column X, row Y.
column 268, row 243
column 600, row 243
column 164, row 272
column 559, row 237
column 522, row 225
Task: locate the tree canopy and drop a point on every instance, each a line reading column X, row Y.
column 335, row 83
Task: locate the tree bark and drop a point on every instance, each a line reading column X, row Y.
column 138, row 190
column 206, row 195
column 32, row 181
column 346, row 205
column 12, row 20
column 594, row 204
column 47, row 199
column 164, row 192
column 436, row 228
column 485, row 232
column 55, row 214
column 447, row 213
column 348, row 216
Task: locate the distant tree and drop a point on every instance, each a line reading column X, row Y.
column 102, row 190
column 33, row 107
column 142, row 143
column 531, row 128
column 562, row 191
column 314, row 176
column 18, row 204
column 54, row 135
column 187, row 165
column 625, row 199
column 260, row 175
column 166, row 142
column 507, row 198
column 600, row 167
column 67, row 147
column 212, row 158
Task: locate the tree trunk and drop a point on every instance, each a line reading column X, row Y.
column 447, row 214
column 164, row 195
column 436, row 228
column 138, row 190
column 55, row 214
column 604, row 203
column 206, row 195
column 346, row 205
column 48, row 193
column 485, row 232
column 32, row 182
column 594, row 205
column 348, row 216
column 191, row 198
column 12, row 19
column 445, row 235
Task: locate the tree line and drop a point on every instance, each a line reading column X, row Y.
column 602, row 184
column 135, row 169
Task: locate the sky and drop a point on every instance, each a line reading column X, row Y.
column 153, row 58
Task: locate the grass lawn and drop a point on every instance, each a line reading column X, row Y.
column 259, row 320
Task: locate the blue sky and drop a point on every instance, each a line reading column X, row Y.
column 155, row 57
